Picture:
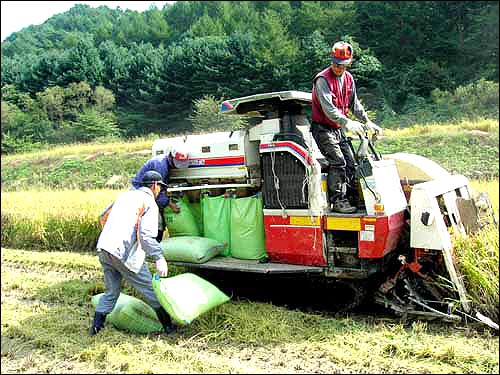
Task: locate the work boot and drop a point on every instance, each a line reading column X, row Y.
column 356, row 202
column 165, row 321
column 98, row 323
column 343, row 206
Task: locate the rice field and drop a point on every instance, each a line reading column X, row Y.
column 46, row 314
column 67, row 220
column 53, row 220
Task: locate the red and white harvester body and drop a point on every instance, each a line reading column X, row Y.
column 397, row 247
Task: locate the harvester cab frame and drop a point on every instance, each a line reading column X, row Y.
column 397, row 247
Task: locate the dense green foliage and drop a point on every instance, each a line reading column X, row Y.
column 411, row 58
column 56, row 115
column 206, row 115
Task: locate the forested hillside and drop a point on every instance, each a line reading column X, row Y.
column 99, row 72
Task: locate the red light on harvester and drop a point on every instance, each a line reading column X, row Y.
column 226, row 106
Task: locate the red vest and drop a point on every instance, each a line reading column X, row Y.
column 340, row 100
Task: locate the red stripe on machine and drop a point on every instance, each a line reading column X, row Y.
column 291, row 145
column 217, row 162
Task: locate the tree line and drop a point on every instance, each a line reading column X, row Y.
column 158, row 63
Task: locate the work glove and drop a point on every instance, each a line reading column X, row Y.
column 161, row 266
column 355, row 127
column 375, row 129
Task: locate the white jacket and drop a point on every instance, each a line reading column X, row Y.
column 119, row 234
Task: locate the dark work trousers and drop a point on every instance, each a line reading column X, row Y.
column 334, row 147
column 114, row 271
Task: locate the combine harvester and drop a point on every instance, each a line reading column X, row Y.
column 397, row 248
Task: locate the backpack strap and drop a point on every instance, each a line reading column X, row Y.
column 103, row 217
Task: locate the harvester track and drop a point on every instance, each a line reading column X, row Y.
column 304, row 293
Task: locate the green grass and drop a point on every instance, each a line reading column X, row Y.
column 137, row 144
column 92, row 171
column 468, row 148
column 46, row 314
column 77, row 166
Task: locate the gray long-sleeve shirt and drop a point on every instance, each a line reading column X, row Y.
column 324, row 95
column 119, row 234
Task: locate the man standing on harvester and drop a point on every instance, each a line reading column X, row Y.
column 127, row 237
column 333, row 95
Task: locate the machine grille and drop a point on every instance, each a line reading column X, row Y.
column 291, row 176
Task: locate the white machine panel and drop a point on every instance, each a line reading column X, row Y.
column 432, row 203
column 267, row 129
column 428, row 229
column 384, row 182
column 219, row 155
column 417, row 168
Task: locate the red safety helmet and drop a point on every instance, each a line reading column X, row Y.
column 342, row 53
column 180, row 155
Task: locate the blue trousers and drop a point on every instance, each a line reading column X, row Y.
column 114, row 271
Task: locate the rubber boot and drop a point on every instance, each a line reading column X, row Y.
column 98, row 324
column 165, row 321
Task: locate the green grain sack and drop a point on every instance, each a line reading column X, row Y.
column 247, row 228
column 184, row 223
column 216, row 213
column 196, row 210
column 191, row 249
column 131, row 314
column 187, row 296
